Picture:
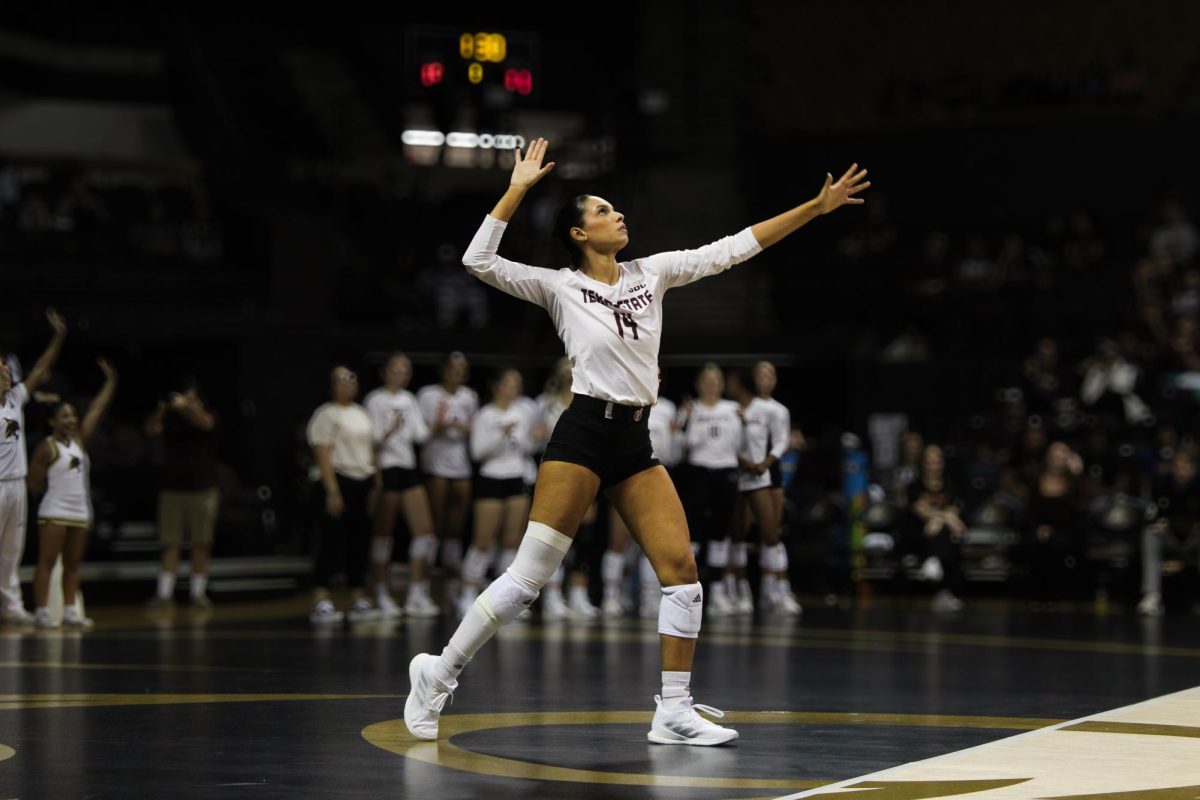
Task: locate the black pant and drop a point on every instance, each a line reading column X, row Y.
column 709, row 497
column 343, row 542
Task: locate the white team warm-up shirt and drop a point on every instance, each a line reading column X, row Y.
column 13, row 462
column 664, row 439
column 756, row 443
column 781, row 426
column 385, row 407
column 529, row 407
column 445, row 455
column 67, row 497
column 713, row 437
column 501, row 441
column 347, row 431
column 611, row 333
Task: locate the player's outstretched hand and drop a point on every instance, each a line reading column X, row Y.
column 835, row 195
column 529, row 170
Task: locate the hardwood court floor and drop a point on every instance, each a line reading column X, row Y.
column 249, row 701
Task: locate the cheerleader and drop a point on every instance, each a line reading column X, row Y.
column 60, row 469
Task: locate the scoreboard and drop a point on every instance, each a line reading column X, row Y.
column 440, row 60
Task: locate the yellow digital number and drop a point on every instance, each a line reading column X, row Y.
column 488, row 47
column 475, row 72
column 466, row 45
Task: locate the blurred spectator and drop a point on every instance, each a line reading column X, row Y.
column 1107, row 376
column 1175, row 530
column 1054, row 541
column 1083, row 248
column 456, row 293
column 188, row 498
column 1175, row 236
column 907, row 469
column 1045, row 379
column 935, row 536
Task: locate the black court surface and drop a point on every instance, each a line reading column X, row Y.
column 889, row 702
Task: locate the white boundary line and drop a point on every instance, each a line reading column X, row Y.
column 945, row 756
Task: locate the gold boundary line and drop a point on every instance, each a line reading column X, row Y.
column 1138, row 728
column 393, row 737
column 13, row 702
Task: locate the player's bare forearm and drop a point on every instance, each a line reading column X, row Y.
column 507, row 206
column 772, row 230
column 831, row 197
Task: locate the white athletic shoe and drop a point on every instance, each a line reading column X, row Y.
column 362, row 611
column 43, row 620
column 745, row 600
column 614, row 607
column 580, row 607
column 388, row 607
column 16, row 616
column 785, row 603
column 554, row 607
column 73, row 619
column 323, row 613
column 719, row 604
column 419, row 604
column 682, row 725
column 1151, row 605
column 946, row 601
column 426, row 698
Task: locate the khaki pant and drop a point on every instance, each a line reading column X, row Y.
column 187, row 514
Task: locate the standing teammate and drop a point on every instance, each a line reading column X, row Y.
column 448, row 407
column 762, row 446
column 712, row 438
column 500, row 443
column 397, row 424
column 60, row 469
column 14, row 468
column 609, row 316
column 666, row 445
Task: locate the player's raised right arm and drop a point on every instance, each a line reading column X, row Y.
column 526, row 172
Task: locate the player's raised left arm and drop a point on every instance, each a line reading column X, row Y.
column 831, row 197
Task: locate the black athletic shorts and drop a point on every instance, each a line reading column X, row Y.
column 610, row 439
column 776, row 476
column 400, row 479
column 709, row 496
column 498, row 488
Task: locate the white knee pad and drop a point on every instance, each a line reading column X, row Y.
column 501, row 602
column 718, row 553
column 774, row 558
column 422, row 548
column 540, row 555
column 612, row 567
column 680, row 611
column 381, row 549
column 738, row 555
column 475, row 565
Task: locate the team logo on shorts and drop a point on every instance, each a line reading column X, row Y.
column 637, row 415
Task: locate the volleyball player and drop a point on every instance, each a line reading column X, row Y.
column 60, row 469
column 761, row 448
column 397, row 425
column 712, row 438
column 448, row 407
column 665, row 442
column 774, row 561
column 14, row 468
column 609, row 316
column 500, row 443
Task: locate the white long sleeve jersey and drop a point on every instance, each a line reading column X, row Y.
column 501, row 440
column 611, row 333
column 758, row 435
column 781, row 426
column 386, row 408
column 713, row 435
column 664, row 437
column 445, row 455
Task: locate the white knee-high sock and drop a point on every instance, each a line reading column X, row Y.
column 540, row 554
